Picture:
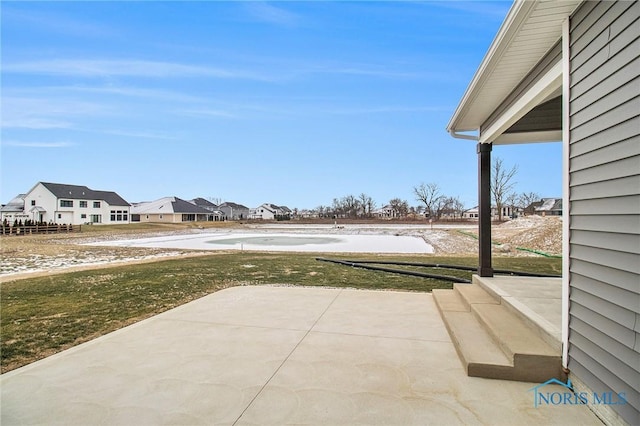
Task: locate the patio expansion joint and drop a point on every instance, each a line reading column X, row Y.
column 231, row 324
column 378, row 336
column 287, row 357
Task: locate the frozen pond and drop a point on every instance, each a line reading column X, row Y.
column 283, row 242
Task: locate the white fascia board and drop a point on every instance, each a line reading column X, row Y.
column 540, row 91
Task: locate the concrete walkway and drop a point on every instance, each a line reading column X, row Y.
column 275, row 355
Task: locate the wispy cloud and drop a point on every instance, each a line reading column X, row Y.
column 267, row 13
column 22, row 144
column 364, row 71
column 46, row 113
column 207, row 113
column 143, row 135
column 123, row 68
column 494, row 10
column 387, row 109
column 54, row 22
column 34, row 123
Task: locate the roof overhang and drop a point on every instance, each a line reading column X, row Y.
column 530, row 30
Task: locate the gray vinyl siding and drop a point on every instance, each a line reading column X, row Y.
column 604, row 195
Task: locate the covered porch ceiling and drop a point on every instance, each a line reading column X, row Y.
column 489, row 112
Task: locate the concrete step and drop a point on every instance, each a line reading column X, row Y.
column 491, row 341
column 546, row 321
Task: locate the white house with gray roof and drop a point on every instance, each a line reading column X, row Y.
column 234, row 211
column 269, row 211
column 75, row 205
column 13, row 211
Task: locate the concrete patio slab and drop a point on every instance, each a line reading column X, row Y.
column 274, row 355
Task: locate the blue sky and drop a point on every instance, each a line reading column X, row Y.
column 292, row 103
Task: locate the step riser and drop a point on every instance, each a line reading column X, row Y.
column 473, row 294
column 499, row 372
column 549, row 338
column 553, row 340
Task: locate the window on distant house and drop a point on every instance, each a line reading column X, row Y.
column 83, row 216
column 66, row 203
column 113, row 215
column 33, row 202
column 83, row 204
column 96, row 204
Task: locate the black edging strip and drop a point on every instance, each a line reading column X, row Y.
column 363, row 264
column 395, row 271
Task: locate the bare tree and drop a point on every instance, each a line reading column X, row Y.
column 367, row 204
column 512, row 201
column 401, row 207
column 428, row 194
column 454, row 205
column 215, row 200
column 501, row 183
column 527, row 198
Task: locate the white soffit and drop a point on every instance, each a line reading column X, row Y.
column 548, row 84
column 529, row 31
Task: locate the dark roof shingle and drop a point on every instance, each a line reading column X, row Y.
column 77, row 192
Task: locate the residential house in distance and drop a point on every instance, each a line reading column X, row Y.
column 234, row 211
column 307, row 214
column 471, row 214
column 386, row 212
column 569, row 72
column 268, row 211
column 73, row 204
column 170, row 210
column 508, row 212
column 208, row 205
column 13, row 211
column 546, row 207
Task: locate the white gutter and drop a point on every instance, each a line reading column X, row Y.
column 462, row 136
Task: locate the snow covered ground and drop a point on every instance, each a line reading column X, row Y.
column 293, row 242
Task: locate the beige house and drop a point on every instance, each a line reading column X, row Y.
column 170, row 210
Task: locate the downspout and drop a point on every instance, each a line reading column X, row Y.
column 566, row 200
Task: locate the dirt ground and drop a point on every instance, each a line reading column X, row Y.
column 37, row 255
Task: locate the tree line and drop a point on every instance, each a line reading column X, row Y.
column 433, row 202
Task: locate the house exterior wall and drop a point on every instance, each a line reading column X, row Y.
column 234, row 213
column 264, row 213
column 76, row 214
column 161, row 218
column 604, row 195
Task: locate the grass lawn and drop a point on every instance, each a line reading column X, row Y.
column 42, row 316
